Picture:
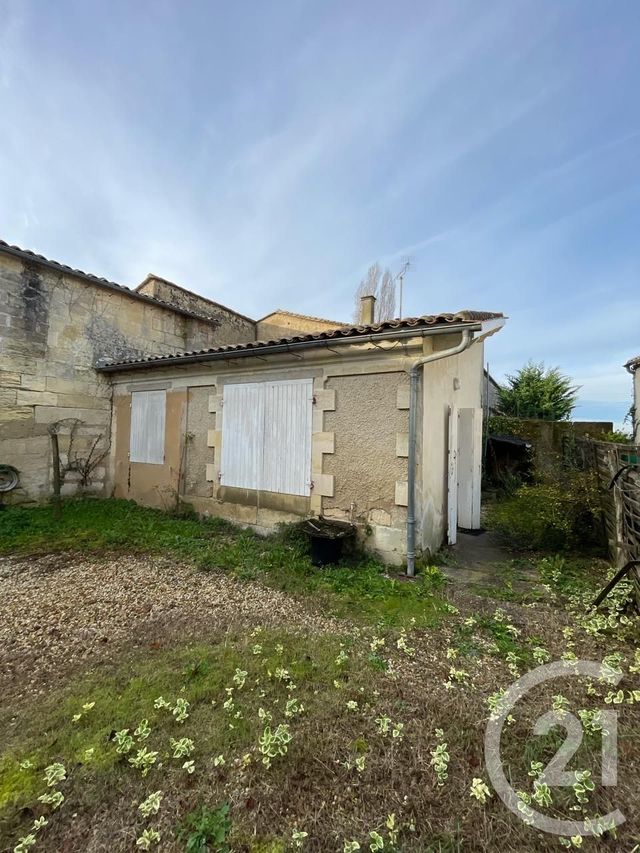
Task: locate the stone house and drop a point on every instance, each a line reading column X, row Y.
column 255, row 421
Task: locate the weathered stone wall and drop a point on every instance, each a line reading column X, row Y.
column 550, row 440
column 230, row 327
column 54, row 326
column 282, row 324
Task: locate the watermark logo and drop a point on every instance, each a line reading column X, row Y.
column 555, row 773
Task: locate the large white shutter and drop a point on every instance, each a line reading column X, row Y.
column 266, row 436
column 146, row 439
column 286, row 461
column 242, row 435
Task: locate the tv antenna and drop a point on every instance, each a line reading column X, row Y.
column 406, row 263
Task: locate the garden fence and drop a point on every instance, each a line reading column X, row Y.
column 617, row 467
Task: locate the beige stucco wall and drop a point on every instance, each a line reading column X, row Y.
column 453, row 381
column 54, row 326
column 359, row 442
column 369, row 430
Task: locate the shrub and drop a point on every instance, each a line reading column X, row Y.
column 536, row 391
column 617, row 436
column 551, row 516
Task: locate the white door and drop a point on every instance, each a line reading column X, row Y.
column 464, row 471
column 452, row 478
column 469, row 467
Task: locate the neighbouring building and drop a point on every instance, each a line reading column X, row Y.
column 255, row 421
column 490, row 395
column 633, row 366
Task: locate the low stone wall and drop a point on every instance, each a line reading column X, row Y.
column 551, row 440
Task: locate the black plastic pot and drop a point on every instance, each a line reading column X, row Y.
column 327, row 539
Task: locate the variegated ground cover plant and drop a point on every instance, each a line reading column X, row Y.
column 368, row 738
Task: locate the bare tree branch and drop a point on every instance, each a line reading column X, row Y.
column 381, row 285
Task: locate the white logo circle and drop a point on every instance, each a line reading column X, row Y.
column 493, row 733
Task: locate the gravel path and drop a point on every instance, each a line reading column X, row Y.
column 65, row 612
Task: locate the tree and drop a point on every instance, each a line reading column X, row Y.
column 382, row 285
column 539, row 392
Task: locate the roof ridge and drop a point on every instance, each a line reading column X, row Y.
column 153, row 277
column 29, row 255
column 304, row 317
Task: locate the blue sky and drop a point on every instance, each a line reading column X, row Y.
column 264, row 154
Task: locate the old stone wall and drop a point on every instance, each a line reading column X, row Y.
column 551, row 441
column 229, row 326
column 282, row 324
column 54, row 326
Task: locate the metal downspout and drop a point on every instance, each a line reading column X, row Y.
column 414, row 375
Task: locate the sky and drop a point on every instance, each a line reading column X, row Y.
column 264, row 154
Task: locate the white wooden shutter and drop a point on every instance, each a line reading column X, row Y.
column 242, row 435
column 266, row 436
column 146, row 439
column 286, row 459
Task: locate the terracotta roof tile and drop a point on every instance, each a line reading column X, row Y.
column 389, row 326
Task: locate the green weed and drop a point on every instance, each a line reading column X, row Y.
column 362, row 588
column 206, row 829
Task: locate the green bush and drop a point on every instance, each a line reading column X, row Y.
column 551, row 516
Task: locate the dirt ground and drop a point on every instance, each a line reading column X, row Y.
column 64, row 612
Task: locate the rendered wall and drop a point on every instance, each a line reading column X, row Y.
column 359, row 439
column 370, row 456
column 358, row 464
column 452, row 381
column 54, row 326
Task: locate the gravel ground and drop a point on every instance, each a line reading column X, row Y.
column 65, row 612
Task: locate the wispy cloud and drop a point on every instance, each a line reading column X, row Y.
column 269, row 164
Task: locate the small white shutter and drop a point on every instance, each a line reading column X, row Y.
column 266, row 436
column 286, row 461
column 146, row 441
column 242, row 435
